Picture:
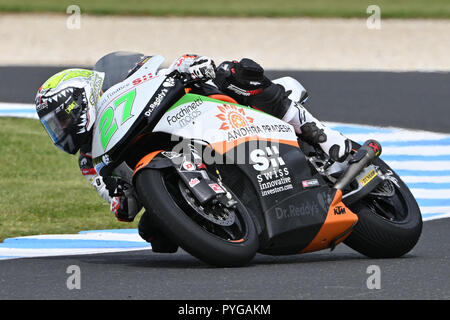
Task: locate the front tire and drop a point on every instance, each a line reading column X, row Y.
column 160, row 193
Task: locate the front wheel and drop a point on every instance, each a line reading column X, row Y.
column 207, row 232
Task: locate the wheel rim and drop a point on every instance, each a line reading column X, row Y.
column 232, row 228
column 393, row 208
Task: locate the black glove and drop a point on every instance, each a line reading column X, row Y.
column 125, row 208
column 312, row 134
column 114, row 185
column 124, row 203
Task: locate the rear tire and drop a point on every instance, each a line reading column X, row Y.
column 391, row 234
column 172, row 215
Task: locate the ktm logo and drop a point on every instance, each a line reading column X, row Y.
column 339, row 210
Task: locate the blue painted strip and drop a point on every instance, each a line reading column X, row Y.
column 361, row 130
column 12, row 111
column 32, row 243
column 437, row 173
column 389, row 157
column 428, row 215
column 10, row 257
column 122, row 231
column 409, row 143
column 429, row 185
column 433, row 202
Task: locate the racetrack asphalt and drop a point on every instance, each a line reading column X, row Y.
column 377, row 98
column 339, row 275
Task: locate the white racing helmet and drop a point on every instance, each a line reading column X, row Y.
column 66, row 105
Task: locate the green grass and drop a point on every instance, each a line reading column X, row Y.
column 41, row 188
column 247, row 8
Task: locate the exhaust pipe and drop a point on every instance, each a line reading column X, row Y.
column 364, row 156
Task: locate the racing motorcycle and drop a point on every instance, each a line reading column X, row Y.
column 225, row 181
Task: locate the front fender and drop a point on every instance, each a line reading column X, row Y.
column 193, row 175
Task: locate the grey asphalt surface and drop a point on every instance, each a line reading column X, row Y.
column 377, row 98
column 422, row 274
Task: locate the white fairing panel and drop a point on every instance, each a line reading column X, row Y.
column 222, row 124
column 121, row 105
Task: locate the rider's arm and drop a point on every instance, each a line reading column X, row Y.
column 89, row 172
column 119, row 194
column 245, row 81
column 274, row 100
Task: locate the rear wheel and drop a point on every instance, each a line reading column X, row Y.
column 213, row 233
column 390, row 222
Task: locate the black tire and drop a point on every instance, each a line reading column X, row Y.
column 383, row 234
column 166, row 209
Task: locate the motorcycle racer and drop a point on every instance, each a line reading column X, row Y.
column 66, row 106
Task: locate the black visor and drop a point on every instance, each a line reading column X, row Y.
column 63, row 125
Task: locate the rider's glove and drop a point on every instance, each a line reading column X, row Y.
column 339, row 154
column 125, row 208
column 203, row 68
column 311, row 134
column 114, row 185
column 124, row 203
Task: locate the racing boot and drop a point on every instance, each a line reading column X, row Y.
column 160, row 243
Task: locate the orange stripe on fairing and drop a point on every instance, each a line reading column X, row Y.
column 146, row 160
column 335, row 226
column 222, row 97
column 225, row 146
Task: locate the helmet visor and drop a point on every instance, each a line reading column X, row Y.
column 58, row 123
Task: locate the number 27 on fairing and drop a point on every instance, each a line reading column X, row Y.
column 108, row 125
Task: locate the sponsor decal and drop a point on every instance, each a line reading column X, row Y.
column 368, row 177
column 71, row 106
column 375, row 147
column 234, row 134
column 216, row 188
column 43, row 104
column 159, row 98
column 274, row 176
column 142, row 79
column 307, row 208
column 193, row 182
column 233, row 117
column 170, row 154
column 186, row 114
column 239, row 124
column 110, row 94
column 339, row 210
column 243, row 92
column 188, row 166
column 263, row 159
column 310, row 183
column 169, row 82
column 97, row 82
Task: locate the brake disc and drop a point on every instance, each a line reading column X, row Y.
column 214, row 212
